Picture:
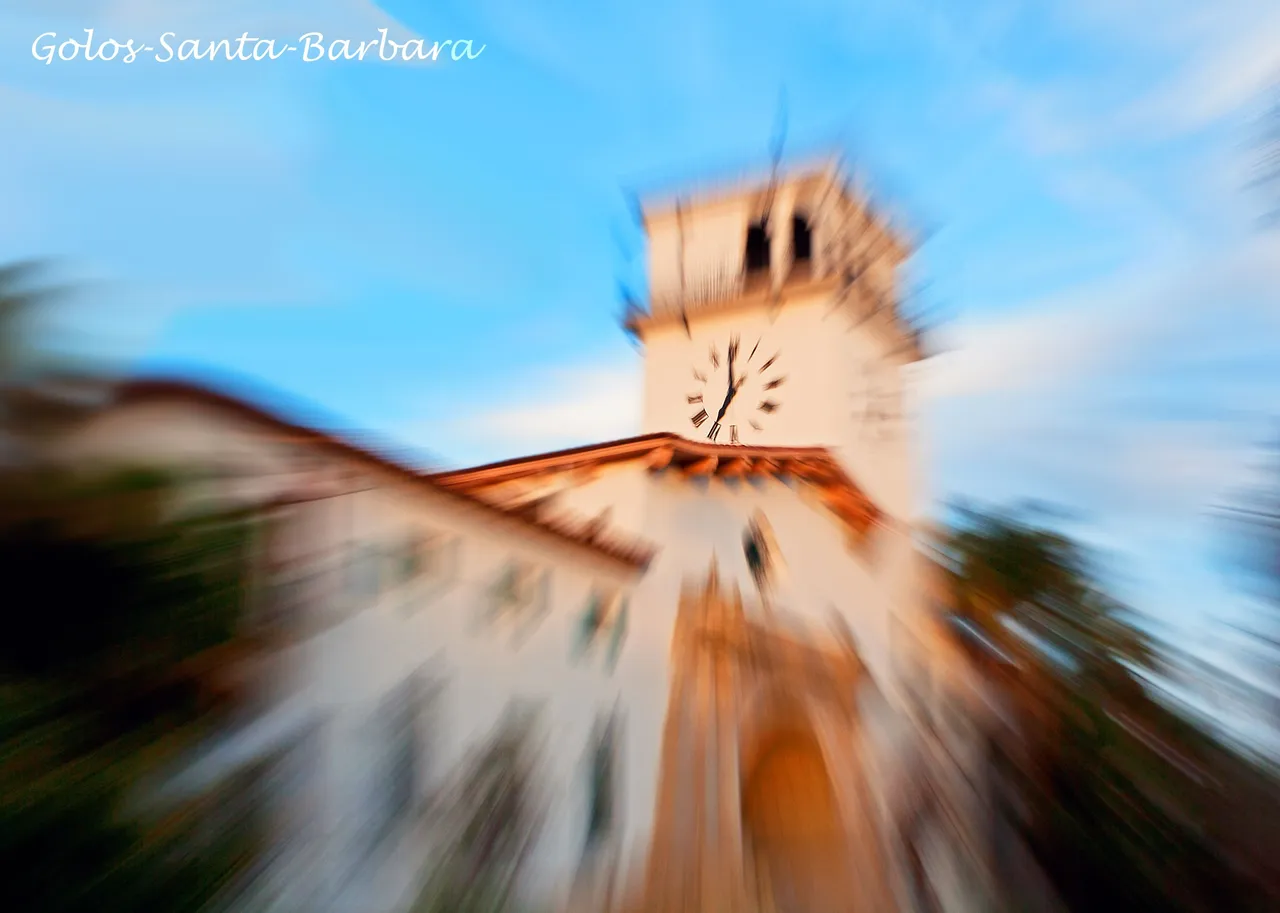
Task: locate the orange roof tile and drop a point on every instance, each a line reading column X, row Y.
column 663, row 452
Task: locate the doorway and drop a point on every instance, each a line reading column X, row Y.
column 792, row 829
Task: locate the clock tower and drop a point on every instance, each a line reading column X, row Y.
column 773, row 321
column 776, row 487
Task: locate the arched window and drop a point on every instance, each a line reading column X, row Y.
column 758, row 547
column 757, row 255
column 801, row 239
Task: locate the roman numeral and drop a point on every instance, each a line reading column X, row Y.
column 769, row 364
column 756, row 425
column 699, row 376
column 715, row 358
column 753, row 350
column 699, row 419
column 714, row 433
column 774, row 384
column 733, row 434
column 768, row 406
column 694, row 399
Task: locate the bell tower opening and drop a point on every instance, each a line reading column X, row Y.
column 758, row 266
column 801, row 240
column 757, row 253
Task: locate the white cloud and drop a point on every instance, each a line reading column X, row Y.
column 1044, row 345
column 166, row 185
column 1228, row 54
column 1146, row 395
column 1082, row 332
column 557, row 407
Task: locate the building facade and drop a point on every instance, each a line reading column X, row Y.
column 404, row 624
column 776, row 478
column 708, row 615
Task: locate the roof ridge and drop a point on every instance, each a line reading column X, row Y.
column 638, row 444
column 635, row 554
column 670, row 452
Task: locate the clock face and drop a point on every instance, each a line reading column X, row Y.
column 735, row 390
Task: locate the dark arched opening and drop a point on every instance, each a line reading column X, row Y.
column 757, row 255
column 801, row 239
column 761, row 553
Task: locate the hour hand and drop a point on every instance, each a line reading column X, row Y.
column 724, row 407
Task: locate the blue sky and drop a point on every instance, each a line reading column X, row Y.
column 432, row 252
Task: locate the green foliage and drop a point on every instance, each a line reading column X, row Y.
column 1121, row 791
column 111, row 604
column 25, row 293
column 1008, row 569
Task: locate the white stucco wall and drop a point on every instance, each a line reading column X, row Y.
column 698, row 521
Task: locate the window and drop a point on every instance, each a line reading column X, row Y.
column 617, row 634
column 533, row 614
column 757, row 547
column 427, row 720
column 603, row 782
column 392, row 783
column 757, row 254
column 364, row 572
column 495, row 808
column 604, row 622
column 515, row 592
column 754, row 549
column 402, row 755
column 414, row 558
column 432, row 556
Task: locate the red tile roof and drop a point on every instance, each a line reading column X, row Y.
column 667, row 451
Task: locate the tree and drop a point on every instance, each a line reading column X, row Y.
column 115, row 612
column 1032, row 589
column 25, row 293
column 1120, row 790
column 1253, row 526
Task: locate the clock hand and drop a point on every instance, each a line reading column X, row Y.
column 733, row 388
column 724, row 407
column 733, row 392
